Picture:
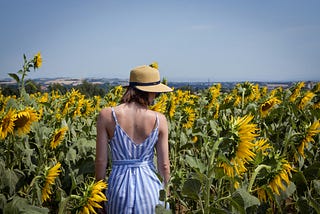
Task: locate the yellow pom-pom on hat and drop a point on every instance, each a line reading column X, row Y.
column 154, row 65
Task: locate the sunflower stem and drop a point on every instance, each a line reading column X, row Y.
column 242, row 99
column 255, row 173
column 32, row 183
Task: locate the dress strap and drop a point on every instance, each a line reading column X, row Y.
column 157, row 121
column 114, row 115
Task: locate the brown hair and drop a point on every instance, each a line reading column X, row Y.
column 135, row 95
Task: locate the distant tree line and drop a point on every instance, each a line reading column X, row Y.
column 86, row 88
column 90, row 89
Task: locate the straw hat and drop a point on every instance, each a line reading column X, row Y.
column 147, row 78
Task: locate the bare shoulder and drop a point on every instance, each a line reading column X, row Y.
column 105, row 115
column 105, row 111
column 162, row 120
column 161, row 116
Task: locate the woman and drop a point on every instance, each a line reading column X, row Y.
column 133, row 131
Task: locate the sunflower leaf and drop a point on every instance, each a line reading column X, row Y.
column 14, row 76
column 316, row 185
column 195, row 163
column 244, row 198
column 191, row 188
column 21, row 205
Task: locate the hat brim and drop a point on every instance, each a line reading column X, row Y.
column 155, row 88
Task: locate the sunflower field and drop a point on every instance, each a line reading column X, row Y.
column 249, row 150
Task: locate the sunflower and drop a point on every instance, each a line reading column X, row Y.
column 313, row 130
column 70, row 102
column 118, row 91
column 245, row 132
column 296, row 91
column 190, row 117
column 194, row 139
column 97, row 101
column 87, row 107
column 112, row 103
column 264, row 91
column 7, row 124
column 228, row 168
column 306, row 99
column 262, row 194
column 262, row 146
column 282, row 175
column 216, row 113
column 237, row 101
column 245, row 91
column 316, row 88
column 78, row 106
column 185, row 97
column 316, row 105
column 40, row 112
column 214, row 92
column 37, row 60
column 228, row 99
column 93, row 196
column 279, row 180
column 55, row 95
column 161, row 105
column 24, row 120
column 58, row 137
column 43, row 98
column 51, row 175
column 266, row 107
column 173, row 104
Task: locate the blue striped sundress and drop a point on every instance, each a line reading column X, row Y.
column 133, row 186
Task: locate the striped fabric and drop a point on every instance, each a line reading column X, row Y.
column 133, row 186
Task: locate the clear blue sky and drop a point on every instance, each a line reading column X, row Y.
column 192, row 40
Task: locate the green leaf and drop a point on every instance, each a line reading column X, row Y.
column 183, row 138
column 245, row 199
column 216, row 210
column 316, row 185
column 213, row 126
column 9, row 180
column 71, row 155
column 291, row 188
column 313, row 171
column 162, row 195
column 3, row 201
column 303, row 205
column 314, row 203
column 32, row 84
column 14, row 76
column 300, row 182
column 84, row 146
column 218, row 172
column 191, row 188
column 187, row 147
column 86, row 166
column 237, row 204
column 21, row 205
column 195, row 163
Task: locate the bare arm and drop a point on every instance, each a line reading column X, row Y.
column 162, row 148
column 101, row 145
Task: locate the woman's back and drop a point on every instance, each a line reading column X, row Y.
column 136, row 121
